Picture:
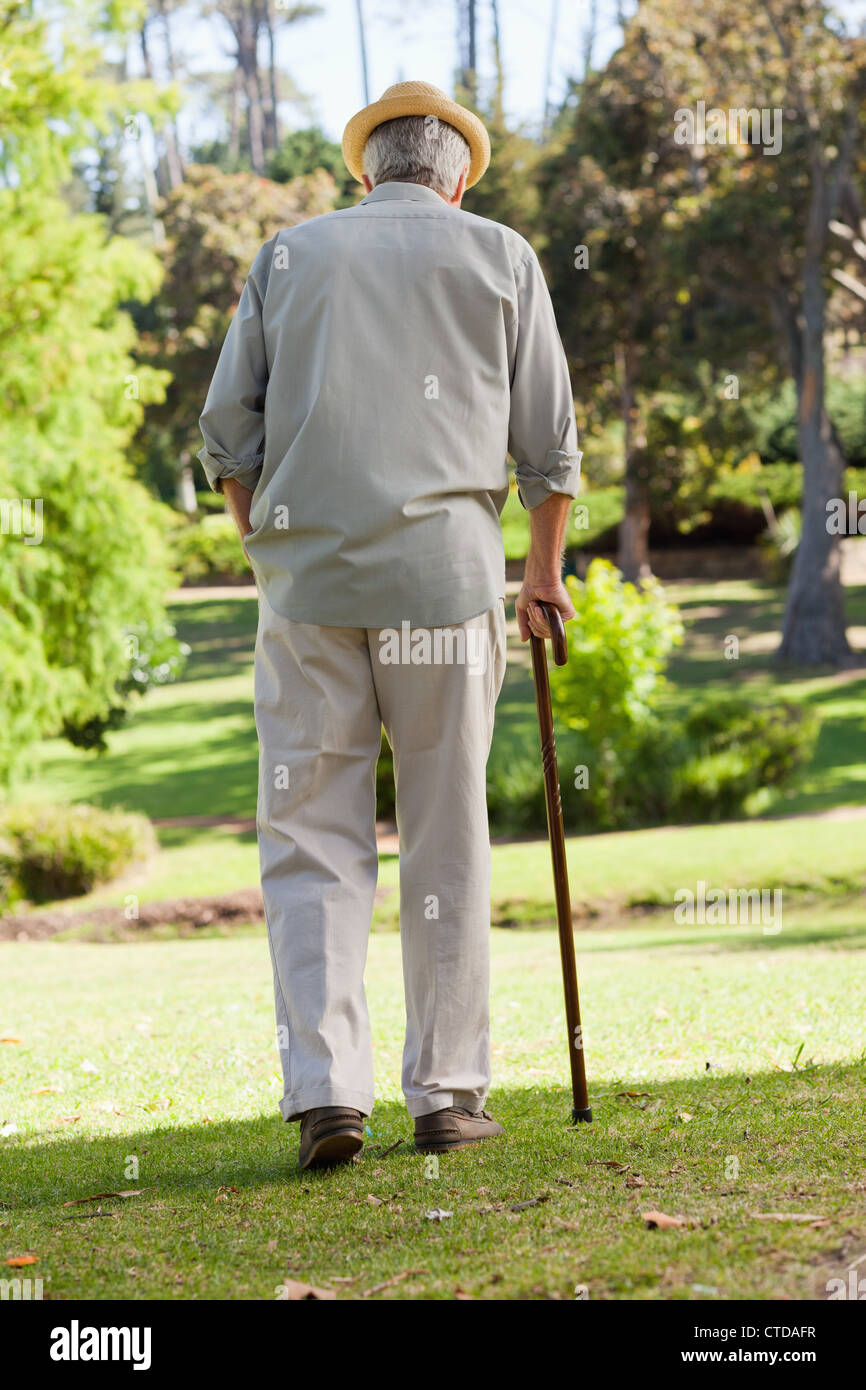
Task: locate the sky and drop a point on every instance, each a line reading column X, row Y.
column 405, row 41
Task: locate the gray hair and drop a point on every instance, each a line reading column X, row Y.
column 417, row 149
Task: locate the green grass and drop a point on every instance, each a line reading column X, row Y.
column 608, row 874
column 181, row 1077
column 190, row 748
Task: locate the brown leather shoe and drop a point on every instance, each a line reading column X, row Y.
column 453, row 1128
column 330, row 1134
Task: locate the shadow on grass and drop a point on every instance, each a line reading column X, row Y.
column 41, row 1174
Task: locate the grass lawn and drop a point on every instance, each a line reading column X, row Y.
column 609, row 875
column 726, row 1077
column 190, row 750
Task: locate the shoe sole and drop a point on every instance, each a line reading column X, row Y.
column 338, row 1147
column 445, row 1145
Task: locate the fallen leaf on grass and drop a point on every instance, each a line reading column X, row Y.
column 395, row 1279
column 635, row 1180
column 375, row 1201
column 345, row 1278
column 462, row 1296
column 437, row 1214
column 684, row 1116
column 657, row 1219
column 18, row 1261
column 296, row 1292
column 10, row 1040
column 632, row 1095
column 100, row 1196
column 223, row 1193
column 45, row 1091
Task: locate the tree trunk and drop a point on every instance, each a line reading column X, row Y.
column 235, row 116
column 362, row 40
column 246, row 36
column 173, row 159
column 633, row 552
column 813, row 633
column 272, row 129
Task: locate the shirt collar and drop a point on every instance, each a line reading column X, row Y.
column 411, row 192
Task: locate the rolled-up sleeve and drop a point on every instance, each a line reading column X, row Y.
column 233, row 420
column 542, row 434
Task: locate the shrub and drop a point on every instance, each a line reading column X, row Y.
column 618, row 644
column 209, row 549
column 642, row 767
column 50, row 852
column 515, row 794
column 697, row 769
column 737, row 749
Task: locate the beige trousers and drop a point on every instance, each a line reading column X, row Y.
column 321, row 697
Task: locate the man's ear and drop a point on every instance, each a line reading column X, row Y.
column 461, row 187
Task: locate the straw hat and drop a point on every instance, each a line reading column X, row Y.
column 416, row 99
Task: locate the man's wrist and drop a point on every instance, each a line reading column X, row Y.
column 549, row 572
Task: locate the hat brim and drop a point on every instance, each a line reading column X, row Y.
column 360, row 127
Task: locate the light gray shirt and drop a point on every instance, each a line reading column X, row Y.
column 382, row 361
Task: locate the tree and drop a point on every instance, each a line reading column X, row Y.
column 618, row 198
column 83, row 569
column 255, row 84
column 769, row 220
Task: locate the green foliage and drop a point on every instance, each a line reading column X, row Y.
column 734, row 749
column 515, row 794
column 302, row 152
column 623, row 764
column 618, row 645
column 209, row 549
column 781, row 541
column 701, row 769
column 94, row 566
column 52, row 852
column 156, row 658
column 775, row 420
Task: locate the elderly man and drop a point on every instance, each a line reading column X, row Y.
column 381, row 363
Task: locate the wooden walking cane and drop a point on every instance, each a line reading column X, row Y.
column 580, row 1110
